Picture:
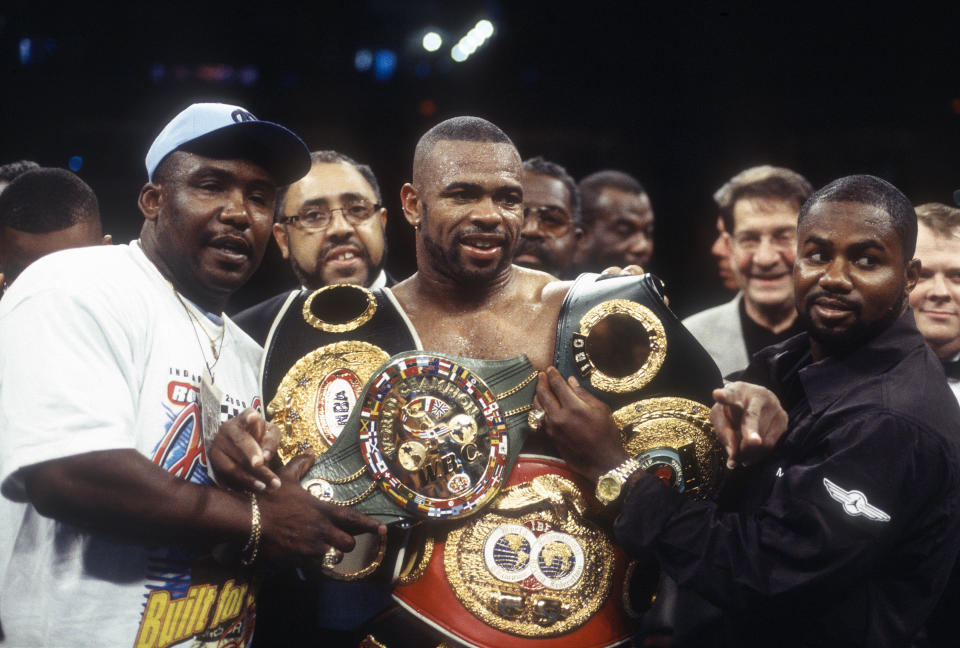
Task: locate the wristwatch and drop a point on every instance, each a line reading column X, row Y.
column 610, row 484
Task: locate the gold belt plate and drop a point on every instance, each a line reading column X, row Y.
column 673, row 439
column 530, row 565
column 318, row 393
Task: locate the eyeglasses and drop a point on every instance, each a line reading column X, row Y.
column 319, row 218
column 554, row 222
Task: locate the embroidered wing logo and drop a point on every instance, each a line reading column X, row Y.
column 855, row 503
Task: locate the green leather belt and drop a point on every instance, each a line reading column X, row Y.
column 431, row 436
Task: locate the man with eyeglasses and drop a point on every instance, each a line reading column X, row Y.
column 551, row 218
column 330, row 227
column 760, row 213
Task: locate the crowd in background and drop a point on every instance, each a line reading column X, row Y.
column 330, row 226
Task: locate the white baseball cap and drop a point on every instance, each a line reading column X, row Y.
column 217, row 129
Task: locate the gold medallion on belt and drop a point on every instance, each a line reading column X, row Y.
column 317, row 394
column 530, row 565
column 673, row 439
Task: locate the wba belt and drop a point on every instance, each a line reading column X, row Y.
column 321, row 349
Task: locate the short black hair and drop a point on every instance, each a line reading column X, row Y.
column 878, row 193
column 330, row 157
column 546, row 167
column 10, row 171
column 593, row 185
column 763, row 182
column 46, row 200
column 457, row 129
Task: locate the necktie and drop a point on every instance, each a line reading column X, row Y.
column 952, row 369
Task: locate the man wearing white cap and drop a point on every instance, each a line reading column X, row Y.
column 117, row 366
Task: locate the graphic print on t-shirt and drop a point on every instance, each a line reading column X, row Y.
column 191, row 597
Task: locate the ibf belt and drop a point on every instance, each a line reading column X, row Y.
column 530, row 567
column 431, row 436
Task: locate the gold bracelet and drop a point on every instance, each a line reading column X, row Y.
column 250, row 550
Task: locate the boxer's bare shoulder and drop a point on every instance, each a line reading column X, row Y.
column 516, row 316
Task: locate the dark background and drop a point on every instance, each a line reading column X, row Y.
column 680, row 96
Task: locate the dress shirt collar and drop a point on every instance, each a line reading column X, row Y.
column 826, row 381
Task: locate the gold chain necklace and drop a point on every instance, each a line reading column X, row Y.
column 213, row 339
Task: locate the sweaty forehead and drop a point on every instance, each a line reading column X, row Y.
column 846, row 220
column 451, row 161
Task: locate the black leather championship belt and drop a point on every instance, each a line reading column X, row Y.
column 321, row 349
column 622, row 342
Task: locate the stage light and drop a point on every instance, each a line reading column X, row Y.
column 427, row 108
column 473, row 38
column 472, row 41
column 249, row 75
column 384, row 64
column 363, row 60
column 484, row 28
column 158, row 72
column 26, row 45
column 75, row 163
column 432, row 41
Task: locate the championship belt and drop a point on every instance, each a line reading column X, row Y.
column 432, row 436
column 530, row 567
column 622, row 342
column 323, row 346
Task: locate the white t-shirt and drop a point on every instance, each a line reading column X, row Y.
column 98, row 353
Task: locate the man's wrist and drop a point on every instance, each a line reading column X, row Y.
column 611, row 485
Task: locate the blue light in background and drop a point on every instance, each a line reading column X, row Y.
column 25, row 50
column 422, row 69
column 384, row 65
column 158, row 72
column 362, row 60
column 75, row 163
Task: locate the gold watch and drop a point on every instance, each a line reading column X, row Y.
column 610, row 484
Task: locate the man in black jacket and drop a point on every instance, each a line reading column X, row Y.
column 840, row 525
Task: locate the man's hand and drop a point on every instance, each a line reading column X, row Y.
column 629, row 270
column 242, row 451
column 580, row 425
column 298, row 528
column 748, row 420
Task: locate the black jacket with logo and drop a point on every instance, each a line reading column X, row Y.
column 847, row 533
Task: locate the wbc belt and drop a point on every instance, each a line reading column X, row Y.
column 432, row 436
column 530, row 567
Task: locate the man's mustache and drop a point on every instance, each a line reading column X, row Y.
column 831, row 301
